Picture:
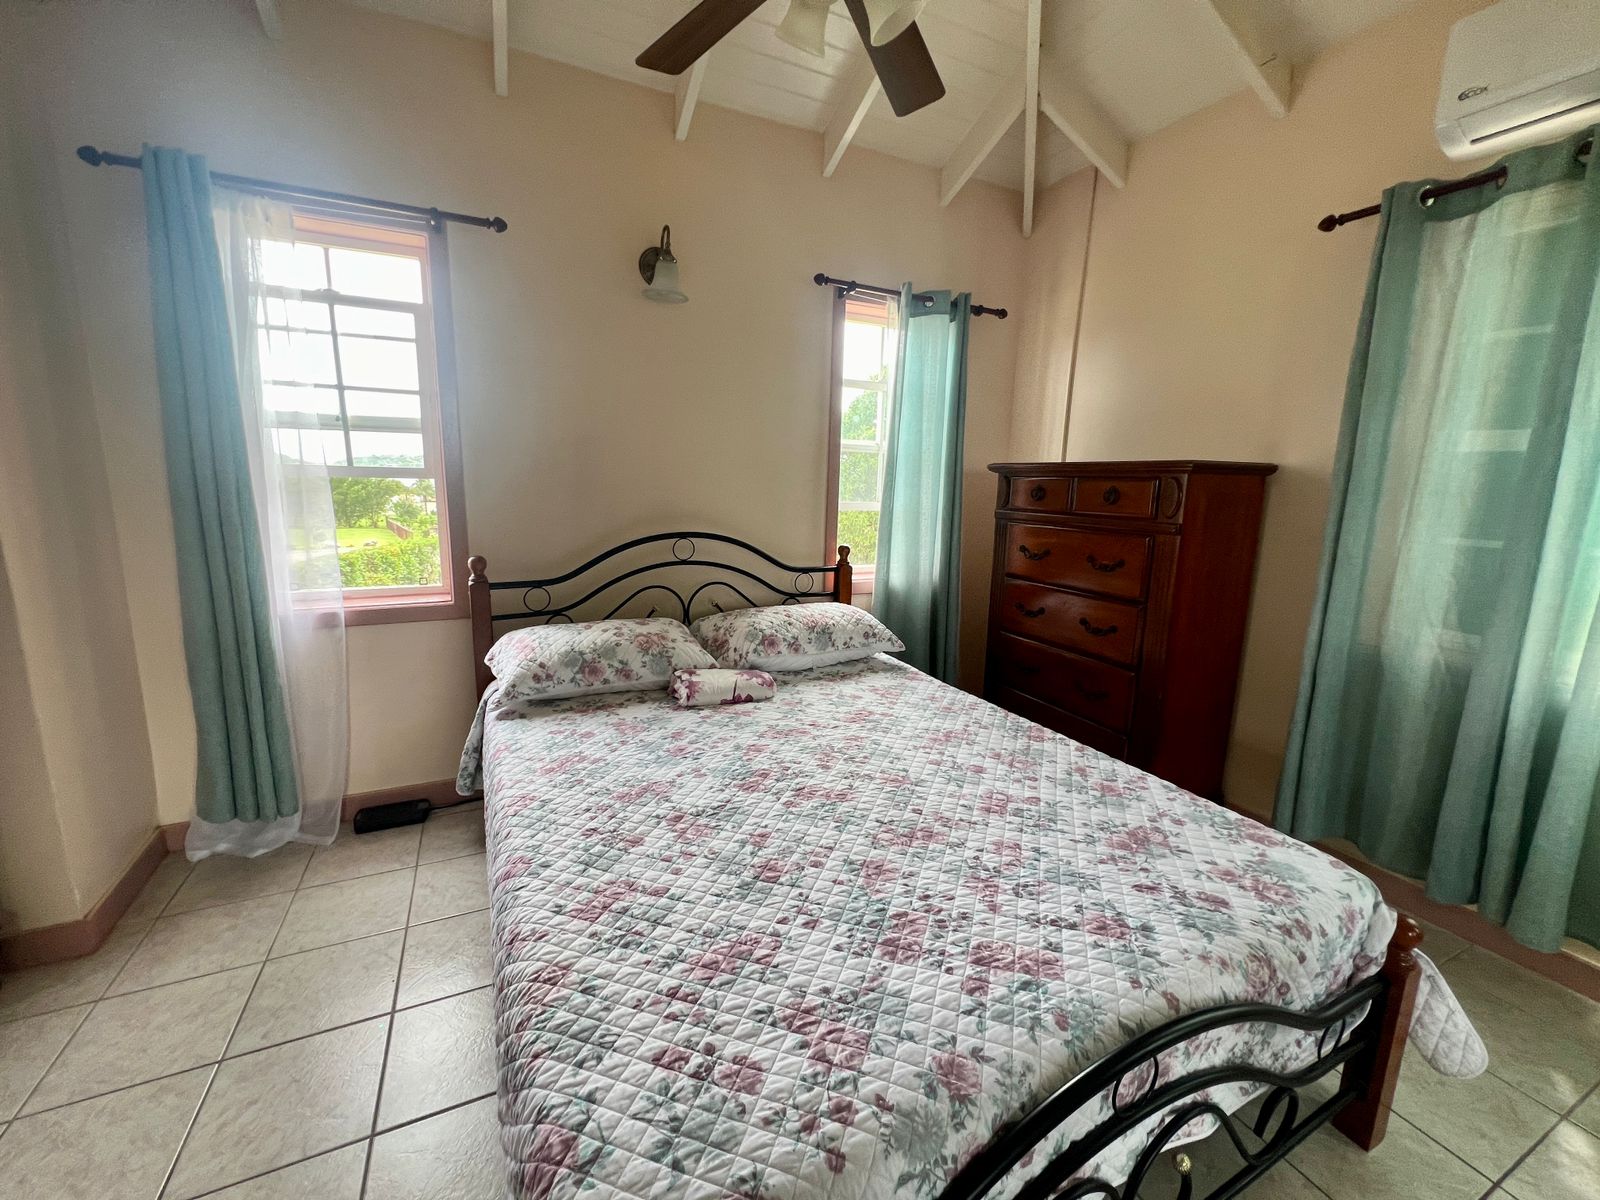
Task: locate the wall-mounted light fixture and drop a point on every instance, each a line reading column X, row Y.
column 660, row 271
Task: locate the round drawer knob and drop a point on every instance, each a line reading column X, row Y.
column 1036, row 492
column 1111, row 495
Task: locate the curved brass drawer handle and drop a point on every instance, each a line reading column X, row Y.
column 1034, row 555
column 1106, row 567
column 1030, row 612
column 1097, row 630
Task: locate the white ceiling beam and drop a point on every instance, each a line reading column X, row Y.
column 860, row 91
column 1080, row 118
column 686, row 97
column 1269, row 74
column 502, row 49
column 985, row 134
column 1030, row 115
column 271, row 19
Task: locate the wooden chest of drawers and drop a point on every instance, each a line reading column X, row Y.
column 1118, row 606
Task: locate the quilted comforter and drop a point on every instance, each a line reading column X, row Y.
column 826, row 945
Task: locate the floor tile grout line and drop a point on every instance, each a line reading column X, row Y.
column 365, row 1139
column 88, row 1011
column 388, row 1040
column 282, row 957
column 205, row 1094
column 1563, row 1118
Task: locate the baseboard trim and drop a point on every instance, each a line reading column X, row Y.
column 1406, row 895
column 73, row 939
column 441, row 793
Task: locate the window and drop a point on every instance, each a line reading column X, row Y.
column 349, row 325
column 863, row 356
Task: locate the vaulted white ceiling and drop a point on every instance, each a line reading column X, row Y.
column 1113, row 71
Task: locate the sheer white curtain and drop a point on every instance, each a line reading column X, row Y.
column 294, row 508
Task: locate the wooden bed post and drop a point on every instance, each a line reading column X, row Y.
column 1365, row 1119
column 842, row 576
column 480, row 607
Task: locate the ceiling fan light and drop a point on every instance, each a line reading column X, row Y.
column 888, row 19
column 805, row 26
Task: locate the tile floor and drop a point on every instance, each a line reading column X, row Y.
column 316, row 1025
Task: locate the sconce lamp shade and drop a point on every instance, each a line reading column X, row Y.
column 888, row 19
column 659, row 269
column 805, row 26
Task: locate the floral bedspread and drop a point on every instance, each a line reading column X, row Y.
column 827, row 945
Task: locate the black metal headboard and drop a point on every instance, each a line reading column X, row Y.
column 593, row 593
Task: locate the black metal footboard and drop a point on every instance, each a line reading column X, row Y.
column 1351, row 1029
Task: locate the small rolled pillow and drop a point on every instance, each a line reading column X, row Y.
column 697, row 687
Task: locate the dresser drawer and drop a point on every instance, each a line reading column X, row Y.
column 1092, row 690
column 1040, row 494
column 1114, row 564
column 1091, row 735
column 1114, row 497
column 1103, row 628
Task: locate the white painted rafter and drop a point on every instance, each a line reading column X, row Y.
column 1077, row 116
column 502, row 48
column 1268, row 73
column 986, row 132
column 860, row 91
column 1030, row 114
column 271, row 18
column 686, row 96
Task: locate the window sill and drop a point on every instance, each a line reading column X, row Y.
column 395, row 612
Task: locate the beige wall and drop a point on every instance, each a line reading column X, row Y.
column 1217, row 321
column 77, row 791
column 588, row 414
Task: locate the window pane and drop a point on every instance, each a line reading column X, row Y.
column 293, row 265
column 296, row 314
column 863, row 350
column 296, row 357
column 310, row 446
column 858, row 476
column 368, row 362
column 382, row 321
column 288, row 398
column 388, row 532
column 382, row 276
column 371, row 449
column 388, row 405
column 858, row 529
column 860, row 423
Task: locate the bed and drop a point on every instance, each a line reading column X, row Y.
column 876, row 937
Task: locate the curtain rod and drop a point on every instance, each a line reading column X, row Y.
column 266, row 187
column 846, row 286
column 1428, row 195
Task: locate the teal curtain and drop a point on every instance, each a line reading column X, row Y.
column 246, row 763
column 1448, row 721
column 917, row 592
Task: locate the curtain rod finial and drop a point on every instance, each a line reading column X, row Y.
column 90, row 155
column 1328, row 223
column 498, row 224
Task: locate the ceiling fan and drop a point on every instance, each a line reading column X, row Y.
column 887, row 28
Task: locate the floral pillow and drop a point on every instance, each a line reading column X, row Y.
column 700, row 688
column 793, row 637
column 548, row 662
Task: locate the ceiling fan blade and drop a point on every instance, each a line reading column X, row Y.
column 701, row 28
column 904, row 66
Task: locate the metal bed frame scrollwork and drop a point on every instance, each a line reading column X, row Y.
column 1361, row 1031
column 684, row 547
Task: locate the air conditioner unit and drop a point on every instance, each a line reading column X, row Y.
column 1519, row 72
